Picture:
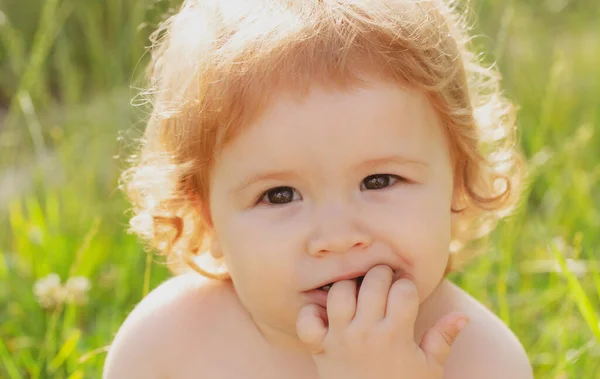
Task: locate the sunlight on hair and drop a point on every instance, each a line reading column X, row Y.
column 217, row 65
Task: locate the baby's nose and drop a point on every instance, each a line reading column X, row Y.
column 337, row 232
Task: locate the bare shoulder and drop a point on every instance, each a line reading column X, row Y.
column 163, row 327
column 486, row 348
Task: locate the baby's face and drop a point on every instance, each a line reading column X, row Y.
column 331, row 186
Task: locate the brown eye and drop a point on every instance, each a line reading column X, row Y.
column 374, row 182
column 279, row 195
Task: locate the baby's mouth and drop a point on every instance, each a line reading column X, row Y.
column 327, row 286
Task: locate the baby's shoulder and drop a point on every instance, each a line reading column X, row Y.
column 166, row 326
column 486, row 348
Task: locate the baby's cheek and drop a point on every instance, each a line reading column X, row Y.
column 422, row 225
column 425, row 239
column 433, row 225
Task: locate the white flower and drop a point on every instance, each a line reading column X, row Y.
column 49, row 291
column 76, row 289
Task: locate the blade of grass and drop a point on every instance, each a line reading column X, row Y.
column 594, row 268
column 76, row 375
column 65, row 351
column 52, row 211
column 3, row 265
column 583, row 302
column 9, row 365
column 49, row 347
column 70, row 77
column 91, row 26
column 14, row 43
column 19, row 234
column 502, row 35
column 87, row 240
column 35, row 213
column 32, row 366
column 43, row 41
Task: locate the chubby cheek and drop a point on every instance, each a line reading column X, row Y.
column 257, row 256
column 421, row 233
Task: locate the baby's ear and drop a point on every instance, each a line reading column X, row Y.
column 458, row 201
column 215, row 248
column 203, row 211
column 456, row 208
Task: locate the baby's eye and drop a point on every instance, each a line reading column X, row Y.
column 378, row 181
column 280, row 195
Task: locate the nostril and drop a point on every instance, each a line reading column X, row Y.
column 359, row 245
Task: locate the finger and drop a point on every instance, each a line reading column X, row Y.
column 311, row 327
column 402, row 307
column 437, row 341
column 341, row 304
column 373, row 294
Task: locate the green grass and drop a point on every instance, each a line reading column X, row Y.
column 65, row 71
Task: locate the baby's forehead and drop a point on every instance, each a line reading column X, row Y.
column 340, row 129
column 371, row 98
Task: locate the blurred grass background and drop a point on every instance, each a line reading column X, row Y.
column 69, row 70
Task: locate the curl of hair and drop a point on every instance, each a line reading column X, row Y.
column 215, row 65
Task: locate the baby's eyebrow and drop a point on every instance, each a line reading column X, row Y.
column 394, row 159
column 276, row 175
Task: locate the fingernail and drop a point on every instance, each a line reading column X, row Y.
column 460, row 324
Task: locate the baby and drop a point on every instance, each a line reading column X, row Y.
column 319, row 166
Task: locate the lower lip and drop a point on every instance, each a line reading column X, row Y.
column 319, row 297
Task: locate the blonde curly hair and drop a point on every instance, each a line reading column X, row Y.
column 216, row 64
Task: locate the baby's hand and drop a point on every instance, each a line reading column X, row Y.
column 374, row 338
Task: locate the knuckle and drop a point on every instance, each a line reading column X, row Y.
column 356, row 333
column 340, row 310
column 389, row 334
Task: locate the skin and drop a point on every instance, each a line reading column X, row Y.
column 363, row 184
column 369, row 332
column 333, row 220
